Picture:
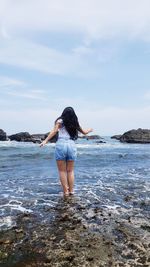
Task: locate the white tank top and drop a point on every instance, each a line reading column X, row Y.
column 62, row 132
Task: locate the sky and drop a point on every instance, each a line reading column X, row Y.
column 93, row 55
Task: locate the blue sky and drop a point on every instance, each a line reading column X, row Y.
column 90, row 54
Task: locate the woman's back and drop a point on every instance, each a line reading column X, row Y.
column 62, row 132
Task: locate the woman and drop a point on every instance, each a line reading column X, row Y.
column 67, row 127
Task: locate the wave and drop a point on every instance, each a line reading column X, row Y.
column 4, row 145
column 6, row 222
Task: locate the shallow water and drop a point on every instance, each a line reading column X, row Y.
column 105, row 174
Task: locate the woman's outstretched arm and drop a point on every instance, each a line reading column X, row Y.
column 83, row 131
column 51, row 134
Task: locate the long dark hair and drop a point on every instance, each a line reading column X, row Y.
column 70, row 121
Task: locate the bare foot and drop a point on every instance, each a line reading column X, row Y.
column 66, row 194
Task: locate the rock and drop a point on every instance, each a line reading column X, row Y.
column 127, row 198
column 117, row 136
column 100, row 142
column 53, row 139
column 3, row 136
column 26, row 137
column 90, row 137
column 21, row 137
column 146, row 227
column 37, row 138
column 141, row 136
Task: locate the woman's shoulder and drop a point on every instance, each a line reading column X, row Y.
column 59, row 121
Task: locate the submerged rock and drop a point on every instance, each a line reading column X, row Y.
column 141, row 136
column 100, row 142
column 3, row 136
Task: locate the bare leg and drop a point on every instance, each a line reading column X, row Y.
column 61, row 164
column 70, row 175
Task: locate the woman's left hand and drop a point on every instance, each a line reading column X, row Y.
column 90, row 130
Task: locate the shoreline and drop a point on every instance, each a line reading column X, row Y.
column 78, row 234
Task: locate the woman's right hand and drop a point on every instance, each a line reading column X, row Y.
column 43, row 143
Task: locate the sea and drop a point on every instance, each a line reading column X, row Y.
column 106, row 174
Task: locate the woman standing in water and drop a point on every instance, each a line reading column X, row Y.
column 67, row 126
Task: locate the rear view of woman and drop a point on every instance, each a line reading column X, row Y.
column 67, row 126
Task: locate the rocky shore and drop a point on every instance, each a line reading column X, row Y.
column 139, row 136
column 78, row 234
column 36, row 138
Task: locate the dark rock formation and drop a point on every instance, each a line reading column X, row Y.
column 21, row 137
column 26, row 137
column 38, row 138
column 53, row 139
column 141, row 136
column 90, row 137
column 100, row 142
column 3, row 136
column 117, row 136
column 78, row 235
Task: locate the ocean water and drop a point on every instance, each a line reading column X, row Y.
column 105, row 174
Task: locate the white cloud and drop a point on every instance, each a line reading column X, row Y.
column 7, row 82
column 29, row 94
column 83, row 50
column 147, row 95
column 18, row 88
column 4, row 33
column 92, row 18
column 32, row 56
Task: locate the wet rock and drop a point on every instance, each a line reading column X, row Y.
column 53, row 139
column 38, row 138
column 129, row 219
column 127, row 198
column 117, row 136
column 21, row 137
column 73, row 240
column 141, row 136
column 146, row 227
column 100, row 142
column 3, row 136
column 90, row 137
column 34, row 138
column 3, row 255
column 143, row 203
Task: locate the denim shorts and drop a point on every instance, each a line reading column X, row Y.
column 65, row 149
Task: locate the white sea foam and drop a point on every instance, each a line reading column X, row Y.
column 6, row 222
column 79, row 145
column 113, row 208
column 92, row 194
column 16, row 206
column 20, row 208
column 5, row 195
